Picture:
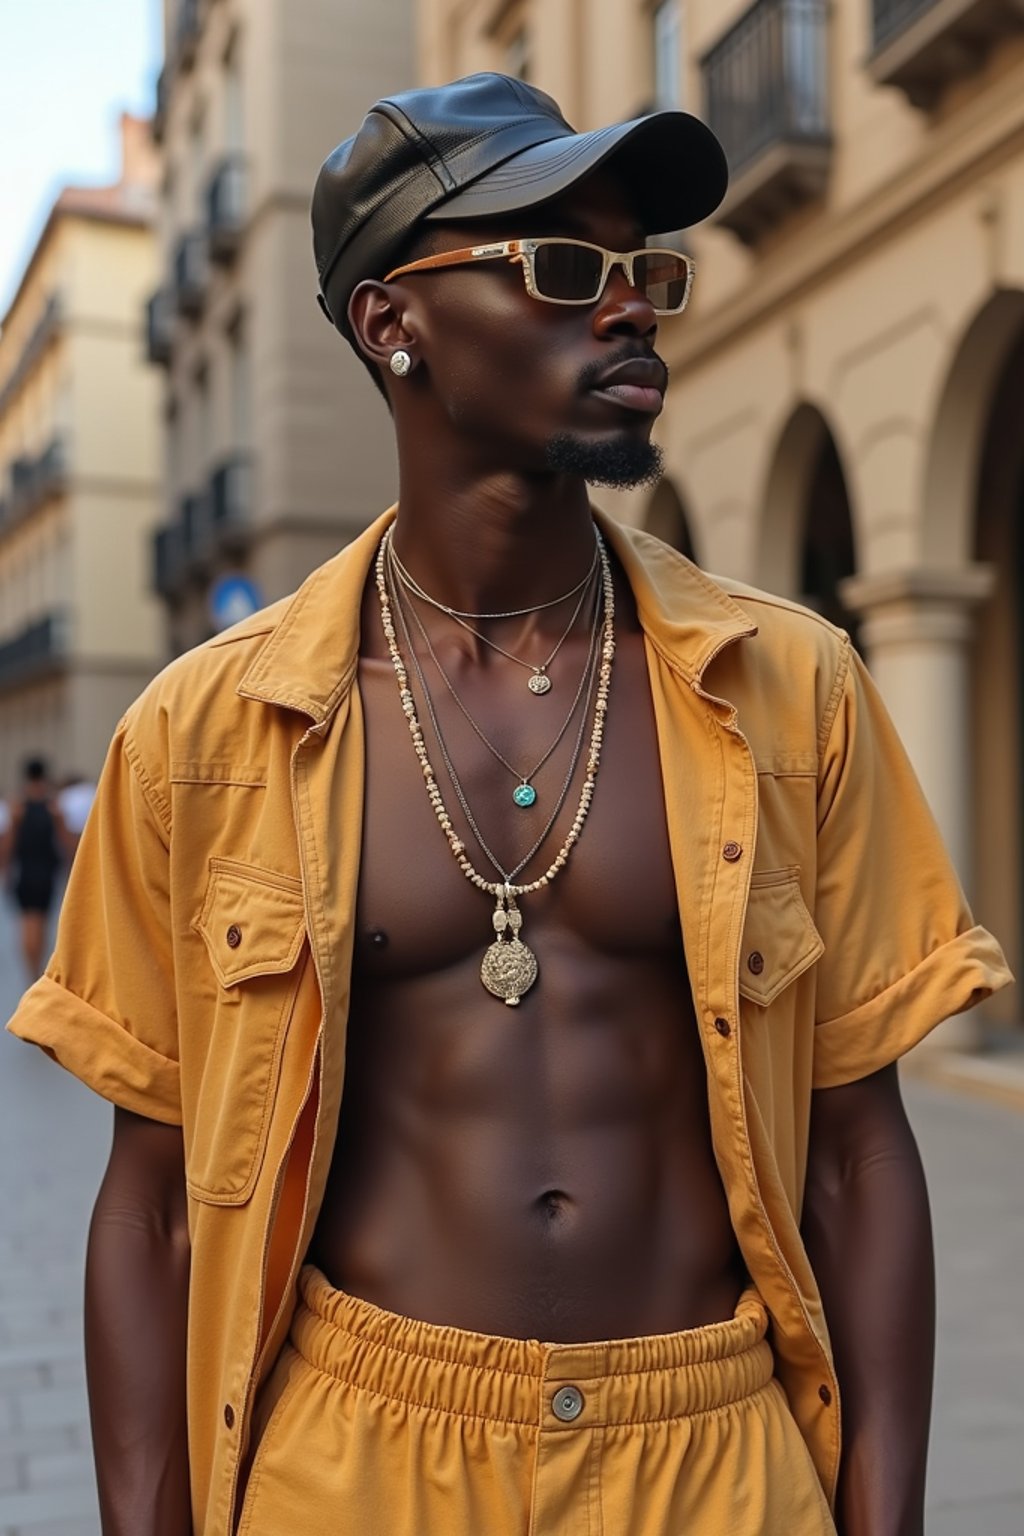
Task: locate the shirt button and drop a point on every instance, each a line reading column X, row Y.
column 567, row 1404
column 825, row 1395
column 724, row 1027
column 731, row 852
column 234, row 936
column 229, row 1416
column 755, row 962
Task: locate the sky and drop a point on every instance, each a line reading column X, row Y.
column 68, row 68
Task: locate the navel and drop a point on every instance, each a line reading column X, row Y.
column 377, row 938
column 553, row 1205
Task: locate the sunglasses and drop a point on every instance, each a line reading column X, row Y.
column 562, row 271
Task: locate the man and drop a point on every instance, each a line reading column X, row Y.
column 498, row 953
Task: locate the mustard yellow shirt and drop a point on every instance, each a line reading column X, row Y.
column 202, row 969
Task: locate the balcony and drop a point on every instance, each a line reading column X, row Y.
column 186, row 33
column 158, row 121
column 37, row 650
column 170, row 561
column 923, row 46
column 40, row 337
column 225, row 202
column 230, row 504
column 191, row 272
column 160, row 327
column 50, row 477
column 766, row 97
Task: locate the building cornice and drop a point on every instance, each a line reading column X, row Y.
column 973, row 141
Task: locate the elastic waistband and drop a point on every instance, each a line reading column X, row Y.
column 622, row 1381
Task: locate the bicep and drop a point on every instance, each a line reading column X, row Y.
column 145, row 1172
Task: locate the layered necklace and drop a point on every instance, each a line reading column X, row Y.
column 509, row 967
column 539, row 682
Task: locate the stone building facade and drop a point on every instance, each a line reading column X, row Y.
column 80, row 630
column 276, row 447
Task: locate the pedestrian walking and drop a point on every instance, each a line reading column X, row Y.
column 498, row 954
column 36, row 831
column 74, row 801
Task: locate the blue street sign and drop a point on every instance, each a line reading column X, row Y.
column 232, row 599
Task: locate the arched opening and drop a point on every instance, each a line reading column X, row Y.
column 807, row 546
column 997, row 692
column 666, row 518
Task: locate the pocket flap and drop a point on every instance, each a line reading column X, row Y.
column 252, row 921
column 780, row 940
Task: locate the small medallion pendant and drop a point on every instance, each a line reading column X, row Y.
column 509, row 968
column 539, row 683
column 525, row 795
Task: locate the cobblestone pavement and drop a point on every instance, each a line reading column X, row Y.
column 54, row 1137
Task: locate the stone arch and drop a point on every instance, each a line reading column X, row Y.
column 961, row 426
column 665, row 517
column 997, row 669
column 806, row 534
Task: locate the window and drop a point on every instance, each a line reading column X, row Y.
column 667, row 34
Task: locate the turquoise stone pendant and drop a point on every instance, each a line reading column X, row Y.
column 525, row 795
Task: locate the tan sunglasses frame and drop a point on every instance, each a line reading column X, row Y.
column 523, row 252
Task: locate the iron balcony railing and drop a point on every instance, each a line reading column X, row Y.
column 160, row 326
column 170, row 560
column 225, row 208
column 191, row 272
column 766, row 80
column 42, row 333
column 37, row 648
column 230, row 503
column 890, row 17
column 187, row 29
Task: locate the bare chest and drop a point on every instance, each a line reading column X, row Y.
column 418, row 913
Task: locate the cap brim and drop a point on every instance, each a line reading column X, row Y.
column 673, row 165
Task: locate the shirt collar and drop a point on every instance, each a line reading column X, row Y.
column 309, row 660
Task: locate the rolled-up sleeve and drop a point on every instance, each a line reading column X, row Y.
column 902, row 951
column 105, row 1009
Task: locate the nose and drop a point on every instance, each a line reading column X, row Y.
column 623, row 309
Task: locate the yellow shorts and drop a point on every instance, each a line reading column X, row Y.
column 376, row 1425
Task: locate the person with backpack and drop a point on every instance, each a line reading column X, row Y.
column 36, row 858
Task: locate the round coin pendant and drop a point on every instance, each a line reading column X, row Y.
column 508, row 970
column 539, row 683
column 525, row 795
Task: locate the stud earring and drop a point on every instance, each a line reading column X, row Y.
column 400, row 363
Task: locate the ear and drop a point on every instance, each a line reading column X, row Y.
column 377, row 318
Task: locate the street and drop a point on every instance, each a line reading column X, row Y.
column 53, row 1141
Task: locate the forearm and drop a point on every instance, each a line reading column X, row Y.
column 135, row 1335
column 868, row 1233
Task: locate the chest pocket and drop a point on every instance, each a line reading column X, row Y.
column 253, row 924
column 780, row 940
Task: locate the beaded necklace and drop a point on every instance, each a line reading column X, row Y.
column 509, row 967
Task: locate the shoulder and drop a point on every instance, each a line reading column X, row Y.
column 192, row 707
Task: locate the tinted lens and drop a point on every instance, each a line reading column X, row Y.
column 662, row 276
column 567, row 271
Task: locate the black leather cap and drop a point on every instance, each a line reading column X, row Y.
column 485, row 145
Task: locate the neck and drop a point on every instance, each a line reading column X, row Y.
column 489, row 542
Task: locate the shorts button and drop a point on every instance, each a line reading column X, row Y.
column 825, row 1395
column 234, row 936
column 731, row 852
column 755, row 962
column 724, row 1027
column 229, row 1416
column 567, row 1404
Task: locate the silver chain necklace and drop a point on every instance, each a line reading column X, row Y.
column 525, row 795
column 509, row 967
column 539, row 682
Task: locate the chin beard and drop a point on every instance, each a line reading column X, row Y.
column 622, row 463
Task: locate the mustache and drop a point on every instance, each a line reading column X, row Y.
column 595, row 371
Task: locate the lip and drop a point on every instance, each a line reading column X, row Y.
column 637, row 384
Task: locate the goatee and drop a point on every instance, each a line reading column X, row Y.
column 621, row 463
